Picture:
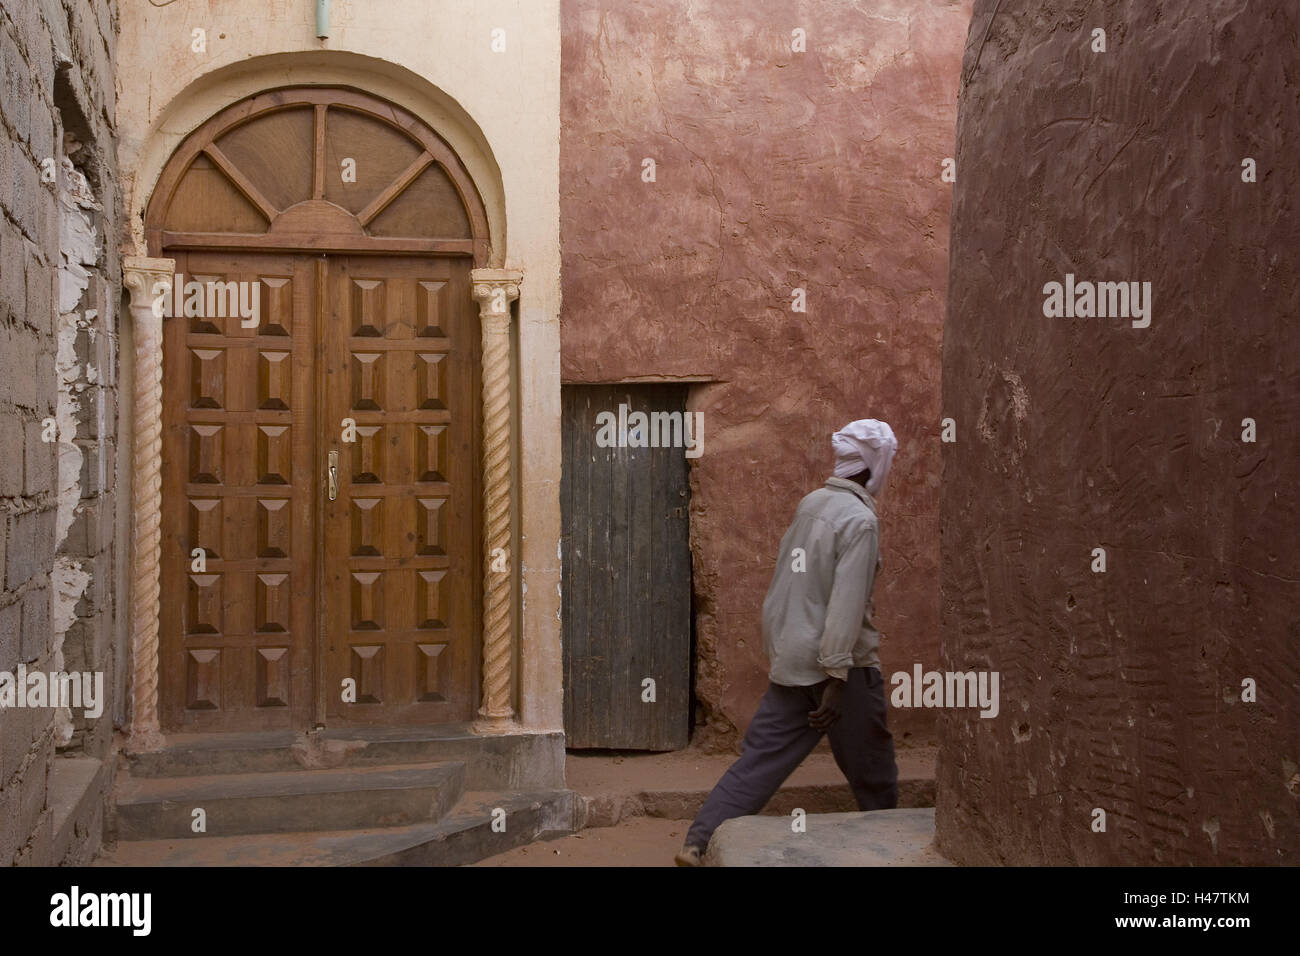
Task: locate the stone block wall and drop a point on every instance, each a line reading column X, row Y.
column 59, row 296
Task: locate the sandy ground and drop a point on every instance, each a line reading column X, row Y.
column 641, row 841
column 652, row 841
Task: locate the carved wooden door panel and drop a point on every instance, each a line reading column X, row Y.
column 274, row 592
column 238, row 612
column 400, row 554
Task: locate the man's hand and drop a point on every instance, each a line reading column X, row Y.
column 829, row 712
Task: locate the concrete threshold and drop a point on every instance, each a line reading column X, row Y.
column 516, row 761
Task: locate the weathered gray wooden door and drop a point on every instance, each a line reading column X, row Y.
column 626, row 580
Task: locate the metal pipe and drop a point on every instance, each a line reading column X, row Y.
column 322, row 19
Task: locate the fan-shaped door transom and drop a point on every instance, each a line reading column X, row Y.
column 320, row 169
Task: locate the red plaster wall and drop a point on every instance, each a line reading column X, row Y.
column 1123, row 690
column 775, row 170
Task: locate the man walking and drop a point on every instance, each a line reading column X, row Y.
column 818, row 636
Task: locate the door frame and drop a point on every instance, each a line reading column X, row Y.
column 495, row 289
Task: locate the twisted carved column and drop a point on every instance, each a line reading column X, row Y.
column 146, row 280
column 494, row 290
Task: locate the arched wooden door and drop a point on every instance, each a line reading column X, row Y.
column 321, row 542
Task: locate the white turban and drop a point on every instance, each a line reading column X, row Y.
column 864, row 444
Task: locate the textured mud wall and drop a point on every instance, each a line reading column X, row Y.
column 774, row 170
column 1122, row 690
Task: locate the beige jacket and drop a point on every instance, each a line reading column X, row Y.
column 817, row 613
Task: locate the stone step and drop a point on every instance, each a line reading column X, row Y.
column 76, row 797
column 284, row 802
column 517, row 761
column 877, row 838
column 465, row 835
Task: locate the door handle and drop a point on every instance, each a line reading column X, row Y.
column 333, row 475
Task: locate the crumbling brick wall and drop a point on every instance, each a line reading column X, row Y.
column 58, row 357
column 1148, row 703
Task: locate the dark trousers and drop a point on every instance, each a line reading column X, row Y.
column 779, row 738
